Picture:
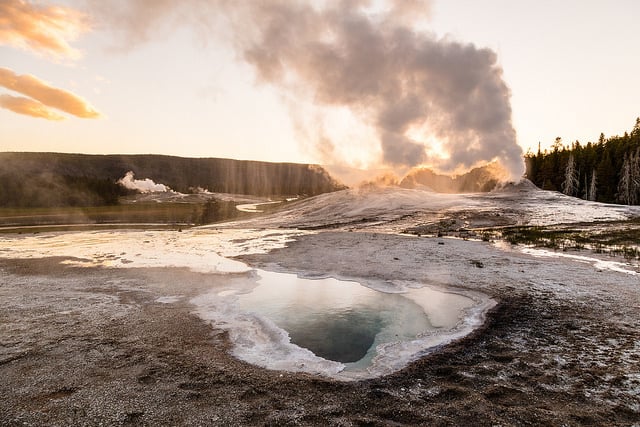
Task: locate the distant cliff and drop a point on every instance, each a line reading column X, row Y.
column 56, row 179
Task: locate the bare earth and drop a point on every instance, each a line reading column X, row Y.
column 96, row 346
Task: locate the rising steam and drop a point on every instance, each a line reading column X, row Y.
column 429, row 100
column 141, row 185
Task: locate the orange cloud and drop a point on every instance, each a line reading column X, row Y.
column 28, row 107
column 42, row 29
column 50, row 96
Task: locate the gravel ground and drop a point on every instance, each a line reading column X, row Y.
column 96, row 346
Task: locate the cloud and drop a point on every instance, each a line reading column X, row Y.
column 41, row 29
column 50, row 96
column 371, row 58
column 28, row 107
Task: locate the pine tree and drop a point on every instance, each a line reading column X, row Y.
column 606, row 177
column 571, row 183
column 592, row 187
column 614, row 164
column 634, row 165
column 625, row 183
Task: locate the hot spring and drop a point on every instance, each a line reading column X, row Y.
column 344, row 321
column 347, row 329
column 339, row 328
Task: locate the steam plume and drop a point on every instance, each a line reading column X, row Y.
column 395, row 78
column 42, row 29
column 28, row 106
column 141, row 185
column 50, row 96
column 410, row 86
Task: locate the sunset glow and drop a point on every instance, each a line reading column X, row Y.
column 46, row 96
column 180, row 79
column 43, row 29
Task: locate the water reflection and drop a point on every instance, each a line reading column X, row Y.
column 337, row 320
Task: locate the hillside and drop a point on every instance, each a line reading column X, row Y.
column 56, row 179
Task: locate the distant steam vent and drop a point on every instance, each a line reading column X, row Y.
column 146, row 185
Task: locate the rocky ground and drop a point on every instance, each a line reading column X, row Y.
column 99, row 346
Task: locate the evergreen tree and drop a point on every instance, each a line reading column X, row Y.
column 614, row 164
column 571, row 184
column 624, row 184
column 629, row 184
column 592, row 187
column 607, row 177
column 634, row 166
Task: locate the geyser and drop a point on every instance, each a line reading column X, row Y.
column 393, row 77
column 405, row 84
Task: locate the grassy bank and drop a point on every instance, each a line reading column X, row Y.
column 617, row 238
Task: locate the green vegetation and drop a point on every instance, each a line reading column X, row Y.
column 605, row 171
column 617, row 238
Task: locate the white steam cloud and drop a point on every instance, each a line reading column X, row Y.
column 141, row 185
column 411, row 87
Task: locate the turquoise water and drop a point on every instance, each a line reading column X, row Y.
column 337, row 320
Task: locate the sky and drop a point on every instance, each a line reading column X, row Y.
column 458, row 82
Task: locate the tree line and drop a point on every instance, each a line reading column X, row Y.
column 605, row 171
column 47, row 190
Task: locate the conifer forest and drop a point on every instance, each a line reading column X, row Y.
column 605, row 171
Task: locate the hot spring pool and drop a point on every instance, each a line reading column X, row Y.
column 338, row 328
column 333, row 327
column 337, row 320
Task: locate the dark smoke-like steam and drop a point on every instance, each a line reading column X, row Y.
column 393, row 77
